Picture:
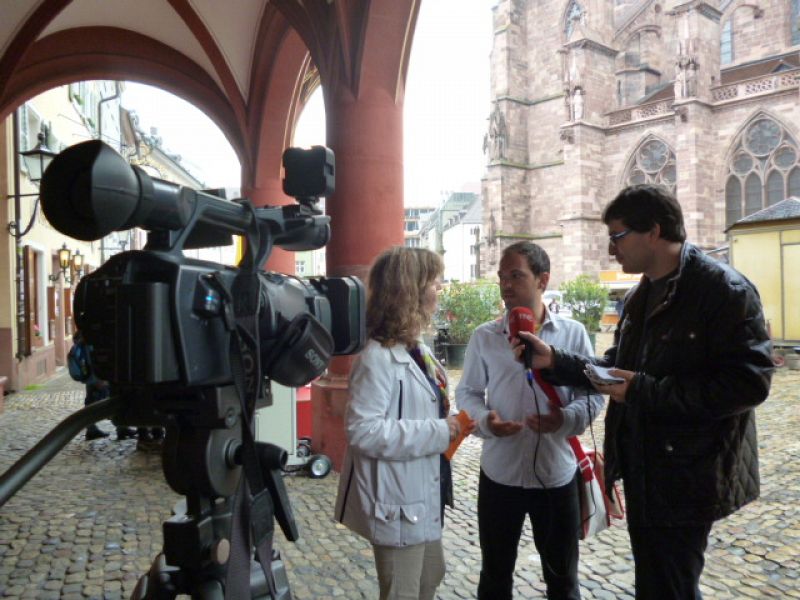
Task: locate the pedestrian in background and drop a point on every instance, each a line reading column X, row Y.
column 395, row 482
column 79, row 365
column 695, row 359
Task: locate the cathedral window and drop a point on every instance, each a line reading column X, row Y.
column 726, row 42
column 764, row 169
column 573, row 14
column 795, row 22
column 653, row 162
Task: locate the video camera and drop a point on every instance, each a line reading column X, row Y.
column 156, row 318
column 191, row 345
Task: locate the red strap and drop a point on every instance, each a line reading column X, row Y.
column 577, row 448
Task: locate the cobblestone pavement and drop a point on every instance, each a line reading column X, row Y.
column 90, row 522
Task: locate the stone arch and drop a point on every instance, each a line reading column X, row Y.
column 111, row 53
column 652, row 160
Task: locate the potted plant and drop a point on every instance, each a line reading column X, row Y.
column 462, row 307
column 586, row 298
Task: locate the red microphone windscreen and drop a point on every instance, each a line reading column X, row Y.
column 521, row 318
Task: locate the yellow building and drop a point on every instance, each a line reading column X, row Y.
column 765, row 247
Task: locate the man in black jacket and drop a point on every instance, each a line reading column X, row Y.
column 694, row 355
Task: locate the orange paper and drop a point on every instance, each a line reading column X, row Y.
column 464, row 421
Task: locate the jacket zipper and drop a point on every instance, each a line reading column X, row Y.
column 400, row 404
column 346, row 493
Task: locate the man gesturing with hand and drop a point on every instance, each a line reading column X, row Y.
column 527, row 467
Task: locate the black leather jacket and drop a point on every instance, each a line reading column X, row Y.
column 684, row 441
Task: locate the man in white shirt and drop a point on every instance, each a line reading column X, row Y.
column 527, row 465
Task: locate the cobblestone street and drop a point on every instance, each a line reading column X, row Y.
column 90, row 522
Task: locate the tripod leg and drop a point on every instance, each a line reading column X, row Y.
column 157, row 583
column 52, row 443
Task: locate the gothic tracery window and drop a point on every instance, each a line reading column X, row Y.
column 653, row 162
column 572, row 16
column 764, row 169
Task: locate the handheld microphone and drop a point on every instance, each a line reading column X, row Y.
column 521, row 318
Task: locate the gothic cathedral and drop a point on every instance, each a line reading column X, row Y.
column 589, row 96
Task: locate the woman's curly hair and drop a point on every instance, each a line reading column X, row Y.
column 397, row 282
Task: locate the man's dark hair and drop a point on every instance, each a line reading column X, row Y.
column 538, row 261
column 641, row 207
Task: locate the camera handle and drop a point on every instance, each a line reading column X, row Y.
column 51, row 444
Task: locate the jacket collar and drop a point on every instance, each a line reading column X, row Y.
column 400, row 354
column 688, row 254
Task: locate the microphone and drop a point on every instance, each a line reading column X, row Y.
column 521, row 318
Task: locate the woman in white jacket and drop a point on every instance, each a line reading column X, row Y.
column 394, row 482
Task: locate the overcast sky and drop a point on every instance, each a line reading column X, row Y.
column 446, row 109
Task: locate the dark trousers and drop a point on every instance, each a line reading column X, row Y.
column 555, row 518
column 669, row 561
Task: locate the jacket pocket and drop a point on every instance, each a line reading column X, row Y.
column 399, row 524
column 689, row 469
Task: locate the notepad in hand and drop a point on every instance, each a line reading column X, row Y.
column 464, row 422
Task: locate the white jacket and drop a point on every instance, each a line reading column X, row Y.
column 389, row 484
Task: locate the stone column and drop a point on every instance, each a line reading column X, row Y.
column 366, row 218
column 362, row 60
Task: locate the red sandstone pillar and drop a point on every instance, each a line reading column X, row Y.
column 366, row 212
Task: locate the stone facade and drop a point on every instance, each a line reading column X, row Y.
column 591, row 95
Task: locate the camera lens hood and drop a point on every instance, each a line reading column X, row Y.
column 89, row 190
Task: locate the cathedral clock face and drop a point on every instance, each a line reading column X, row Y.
column 762, row 137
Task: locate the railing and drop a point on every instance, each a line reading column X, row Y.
column 636, row 113
column 759, row 85
column 723, row 93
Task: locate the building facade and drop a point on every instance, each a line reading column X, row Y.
column 36, row 289
column 413, row 220
column 592, row 95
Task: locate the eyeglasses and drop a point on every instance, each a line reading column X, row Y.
column 613, row 238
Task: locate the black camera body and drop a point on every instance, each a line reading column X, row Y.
column 157, row 318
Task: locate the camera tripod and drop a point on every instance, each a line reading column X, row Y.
column 202, row 460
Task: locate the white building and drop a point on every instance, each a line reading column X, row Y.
column 461, row 239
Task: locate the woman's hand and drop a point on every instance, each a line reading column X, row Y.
column 456, row 427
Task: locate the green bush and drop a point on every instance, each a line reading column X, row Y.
column 464, row 306
column 586, row 298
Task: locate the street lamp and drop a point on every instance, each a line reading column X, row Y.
column 77, row 264
column 66, row 260
column 64, row 256
column 38, row 158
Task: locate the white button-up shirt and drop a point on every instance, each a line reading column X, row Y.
column 494, row 380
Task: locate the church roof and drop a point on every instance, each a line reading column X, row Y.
column 665, row 91
column 759, row 68
column 780, row 211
